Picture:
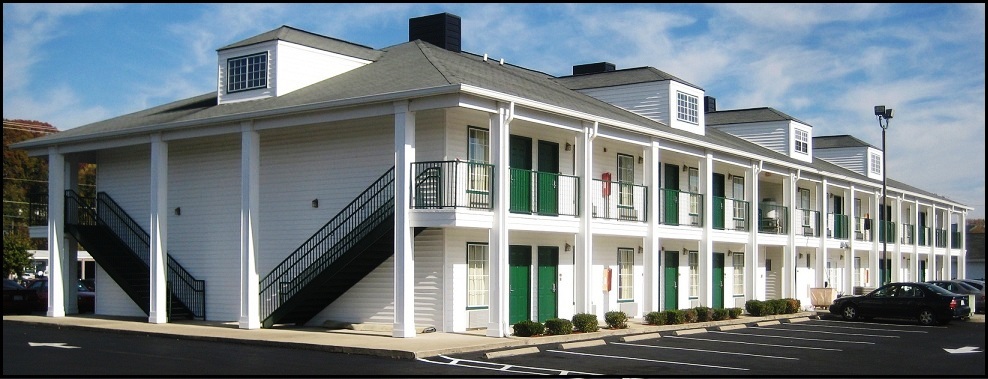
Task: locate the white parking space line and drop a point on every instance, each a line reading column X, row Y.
column 503, row 367
column 647, row 360
column 793, row 338
column 896, row 325
column 758, row 344
column 853, row 328
column 704, row 351
column 825, row 332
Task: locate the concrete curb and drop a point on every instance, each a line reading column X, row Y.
column 511, row 353
column 574, row 345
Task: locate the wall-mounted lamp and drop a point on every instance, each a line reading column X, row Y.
column 685, row 167
column 730, row 176
column 315, row 203
column 729, row 253
column 830, row 195
column 800, row 255
column 605, row 149
column 567, row 247
column 685, row 251
column 641, row 159
column 178, row 211
column 569, row 146
column 842, row 257
column 641, row 250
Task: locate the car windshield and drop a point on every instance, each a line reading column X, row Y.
column 979, row 286
column 939, row 290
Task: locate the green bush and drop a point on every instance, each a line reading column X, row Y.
column 734, row 312
column 558, row 326
column 675, row 316
column 779, row 306
column 655, row 318
column 704, row 314
column 585, row 322
column 755, row 307
column 689, row 315
column 720, row 314
column 528, row 328
column 792, row 305
column 616, row 320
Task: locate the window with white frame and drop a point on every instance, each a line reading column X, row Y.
column 478, row 148
column 626, row 277
column 247, row 72
column 737, row 192
column 804, row 204
column 694, row 274
column 802, row 139
column 687, row 106
column 625, row 178
column 695, row 197
column 738, row 260
column 478, row 275
column 876, row 163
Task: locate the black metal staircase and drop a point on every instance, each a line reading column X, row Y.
column 122, row 248
column 347, row 248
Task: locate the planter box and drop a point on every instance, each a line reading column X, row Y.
column 822, row 297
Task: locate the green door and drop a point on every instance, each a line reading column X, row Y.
column 520, row 161
column 519, row 283
column 922, row 271
column 548, row 178
column 671, row 276
column 840, row 223
column 719, row 211
column 921, row 230
column 548, row 287
column 717, row 276
column 671, row 195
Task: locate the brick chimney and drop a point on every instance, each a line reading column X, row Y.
column 442, row 29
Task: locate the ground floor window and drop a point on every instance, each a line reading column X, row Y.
column 477, row 275
column 694, row 274
column 626, row 264
column 738, row 260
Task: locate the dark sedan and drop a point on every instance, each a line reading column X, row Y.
column 923, row 302
column 86, row 296
column 17, row 299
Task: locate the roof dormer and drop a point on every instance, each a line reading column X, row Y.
column 766, row 127
column 281, row 61
column 850, row 153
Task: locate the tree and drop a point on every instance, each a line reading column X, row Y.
column 23, row 177
column 15, row 251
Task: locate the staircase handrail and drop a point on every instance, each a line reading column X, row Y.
column 325, row 245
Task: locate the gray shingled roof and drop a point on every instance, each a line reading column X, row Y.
column 844, row 140
column 744, row 116
column 304, row 38
column 619, row 77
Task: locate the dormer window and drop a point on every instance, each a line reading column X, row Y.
column 876, row 163
column 687, row 109
column 247, row 72
column 802, row 141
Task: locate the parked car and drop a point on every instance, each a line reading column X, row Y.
column 923, row 302
column 17, row 299
column 86, row 296
column 979, row 300
column 960, row 288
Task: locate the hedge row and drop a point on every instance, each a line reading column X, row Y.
column 689, row 315
column 771, row 307
column 581, row 322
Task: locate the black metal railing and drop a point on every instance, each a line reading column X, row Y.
column 941, row 238
column 862, row 228
column 452, row 184
column 809, row 225
column 886, row 231
column 908, row 234
column 773, row 219
column 955, row 240
column 324, row 247
column 543, row 193
column 105, row 212
column 924, row 234
column 37, row 209
column 737, row 209
column 680, row 207
column 838, row 226
column 618, row 201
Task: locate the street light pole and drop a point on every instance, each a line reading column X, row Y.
column 884, row 114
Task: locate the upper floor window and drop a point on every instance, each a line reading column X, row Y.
column 626, row 179
column 876, row 163
column 247, row 72
column 687, row 108
column 802, row 141
column 478, row 149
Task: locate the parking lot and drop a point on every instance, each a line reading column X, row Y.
column 790, row 347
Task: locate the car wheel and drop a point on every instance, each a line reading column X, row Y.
column 850, row 312
column 926, row 317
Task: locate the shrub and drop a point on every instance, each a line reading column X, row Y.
column 704, row 314
column 675, row 316
column 689, row 315
column 792, row 305
column 755, row 307
column 655, row 318
column 734, row 312
column 585, row 322
column 720, row 314
column 616, row 320
column 558, row 326
column 778, row 306
column 528, row 328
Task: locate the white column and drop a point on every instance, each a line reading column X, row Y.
column 584, row 241
column 653, row 252
column 875, row 247
column 404, row 274
column 820, row 263
column 70, row 256
column 159, row 230
column 789, row 260
column 962, row 252
column 250, row 169
column 756, row 283
column 498, row 305
column 56, row 234
column 706, row 253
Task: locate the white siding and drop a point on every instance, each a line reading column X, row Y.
column 204, row 180
column 430, row 135
column 851, row 158
column 299, row 66
column 770, row 135
column 331, row 162
column 112, row 300
column 649, row 100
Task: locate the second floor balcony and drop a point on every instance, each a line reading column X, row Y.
column 809, row 223
column 618, row 201
column 773, row 219
column 731, row 214
column 908, row 236
column 680, row 208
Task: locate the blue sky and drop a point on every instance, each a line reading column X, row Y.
column 826, row 65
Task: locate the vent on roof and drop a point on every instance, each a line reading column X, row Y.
column 593, row 68
column 442, row 29
column 709, row 104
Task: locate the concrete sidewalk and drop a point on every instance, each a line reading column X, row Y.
column 365, row 342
